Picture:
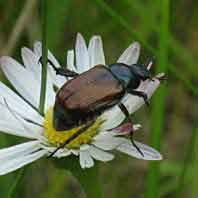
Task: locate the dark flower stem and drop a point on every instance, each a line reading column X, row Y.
column 44, row 56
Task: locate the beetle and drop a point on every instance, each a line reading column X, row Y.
column 82, row 99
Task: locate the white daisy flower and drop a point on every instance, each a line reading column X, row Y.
column 19, row 112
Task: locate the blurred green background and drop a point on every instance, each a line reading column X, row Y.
column 167, row 30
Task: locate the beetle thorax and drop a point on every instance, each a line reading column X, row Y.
column 124, row 74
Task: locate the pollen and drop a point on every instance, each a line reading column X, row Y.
column 56, row 138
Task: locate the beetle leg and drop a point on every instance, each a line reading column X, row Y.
column 127, row 114
column 134, row 144
column 140, row 94
column 61, row 71
column 75, row 135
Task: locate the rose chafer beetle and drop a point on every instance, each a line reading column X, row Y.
column 81, row 100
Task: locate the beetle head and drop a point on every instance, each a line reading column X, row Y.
column 140, row 71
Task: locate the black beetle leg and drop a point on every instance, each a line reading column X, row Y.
column 134, row 144
column 75, row 135
column 140, row 94
column 61, row 71
column 127, row 114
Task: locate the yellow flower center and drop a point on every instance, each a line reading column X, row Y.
column 56, row 138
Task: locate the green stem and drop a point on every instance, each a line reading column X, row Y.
column 158, row 109
column 14, row 187
column 44, row 56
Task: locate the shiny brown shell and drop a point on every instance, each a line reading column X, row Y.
column 95, row 89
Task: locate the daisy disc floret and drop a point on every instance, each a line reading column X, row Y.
column 19, row 113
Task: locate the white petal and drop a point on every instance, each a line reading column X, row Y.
column 20, row 149
column 82, row 56
column 148, row 152
column 12, row 124
column 32, row 130
column 21, row 79
column 25, row 82
column 86, row 160
column 18, row 105
column 96, row 53
column 60, row 154
column 70, row 60
column 31, row 62
column 84, row 147
column 50, row 94
column 99, row 154
column 104, row 135
column 75, row 152
column 17, row 156
column 113, row 117
column 131, row 54
column 19, row 162
column 107, row 143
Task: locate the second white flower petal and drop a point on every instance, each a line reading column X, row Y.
column 21, row 79
column 107, row 143
column 19, row 155
column 100, row 155
column 131, row 54
column 18, row 105
column 148, row 152
column 96, row 53
column 70, row 60
column 82, row 56
column 86, row 160
column 20, row 161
